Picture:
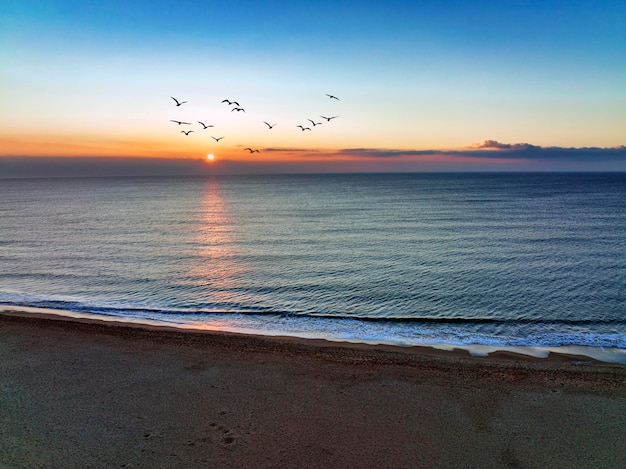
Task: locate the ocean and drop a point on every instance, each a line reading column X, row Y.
column 486, row 261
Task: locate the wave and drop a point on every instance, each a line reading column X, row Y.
column 150, row 312
column 425, row 331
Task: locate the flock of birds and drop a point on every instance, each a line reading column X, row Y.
column 236, row 107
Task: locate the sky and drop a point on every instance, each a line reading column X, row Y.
column 443, row 85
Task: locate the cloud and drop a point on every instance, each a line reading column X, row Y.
column 489, row 155
column 506, row 146
column 528, row 151
column 387, row 153
column 492, row 149
column 98, row 166
column 289, row 150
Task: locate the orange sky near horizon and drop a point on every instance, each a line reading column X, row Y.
column 178, row 147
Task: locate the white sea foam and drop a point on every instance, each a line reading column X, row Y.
column 353, row 331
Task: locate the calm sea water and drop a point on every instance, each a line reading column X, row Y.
column 492, row 259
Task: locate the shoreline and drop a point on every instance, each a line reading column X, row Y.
column 84, row 393
column 574, row 365
column 581, row 355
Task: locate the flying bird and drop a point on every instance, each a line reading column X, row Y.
column 179, row 122
column 251, row 150
column 303, row 128
column 204, row 125
column 217, row 139
column 329, row 118
column 271, row 126
column 230, row 103
column 178, row 103
column 186, row 132
column 330, row 96
column 237, row 109
column 314, row 123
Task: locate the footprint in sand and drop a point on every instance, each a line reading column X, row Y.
column 227, row 437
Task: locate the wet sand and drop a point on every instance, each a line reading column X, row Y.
column 81, row 393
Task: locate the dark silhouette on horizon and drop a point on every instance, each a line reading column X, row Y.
column 251, row 150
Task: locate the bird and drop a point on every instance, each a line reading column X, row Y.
column 217, row 139
column 314, row 123
column 178, row 103
column 237, row 109
column 303, row 128
column 230, row 103
column 251, row 150
column 271, row 126
column 179, row 122
column 330, row 96
column 186, row 132
column 328, row 118
column 204, row 125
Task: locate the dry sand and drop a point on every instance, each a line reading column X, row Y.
column 88, row 394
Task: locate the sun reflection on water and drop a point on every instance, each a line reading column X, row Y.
column 215, row 269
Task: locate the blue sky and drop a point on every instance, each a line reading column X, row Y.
column 86, row 78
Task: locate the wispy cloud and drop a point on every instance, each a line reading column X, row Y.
column 290, row 150
column 387, row 153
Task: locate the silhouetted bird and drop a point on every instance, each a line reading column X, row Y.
column 204, row 125
column 179, row 122
column 237, row 109
column 314, row 123
column 230, row 103
column 217, row 139
column 251, row 150
column 271, row 126
column 329, row 118
column 333, row 97
column 303, row 128
column 186, row 132
column 178, row 103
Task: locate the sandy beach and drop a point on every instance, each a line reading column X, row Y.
column 81, row 393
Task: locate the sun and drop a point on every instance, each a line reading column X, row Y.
column 210, row 157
